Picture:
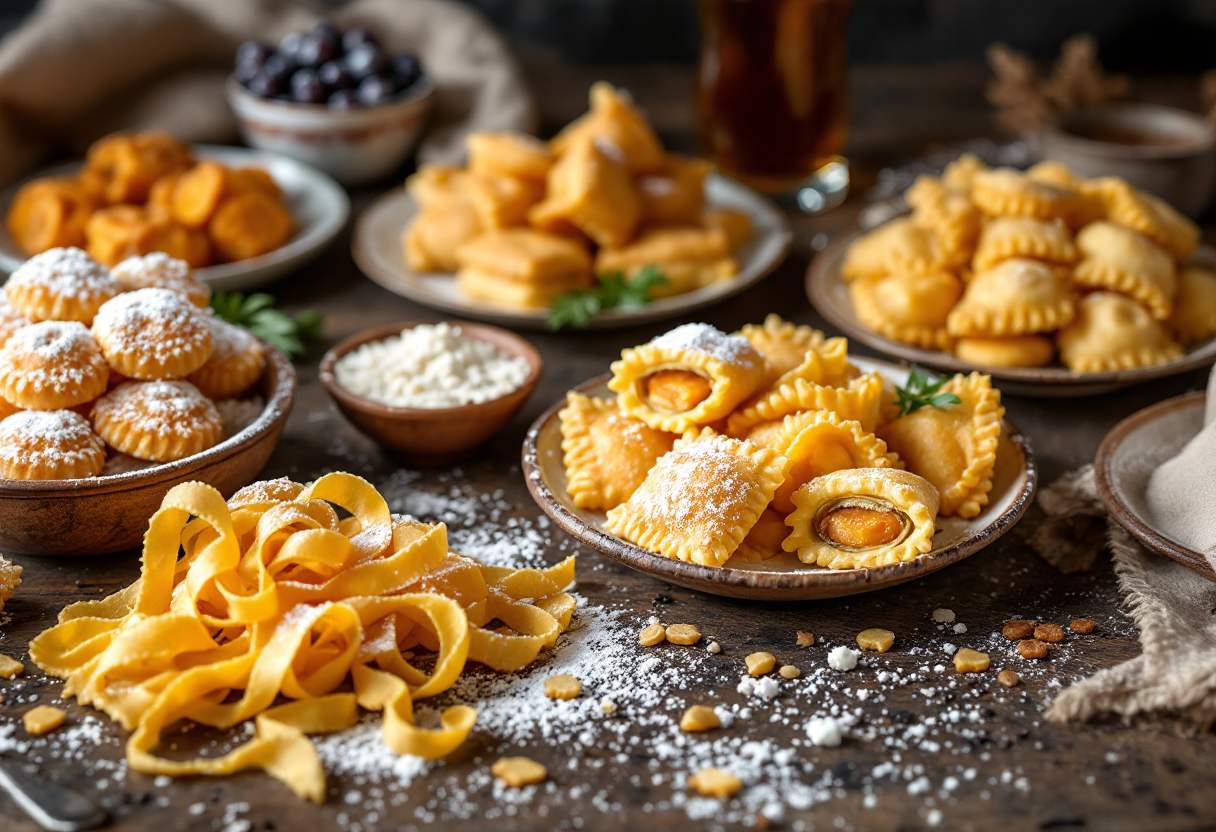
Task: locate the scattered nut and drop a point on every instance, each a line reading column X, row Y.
column 760, row 663
column 788, row 671
column 519, row 771
column 683, row 634
column 652, row 635
column 1018, row 629
column 875, row 639
column 1083, row 626
column 562, row 686
column 806, row 639
column 699, row 718
column 970, row 661
column 1008, row 678
column 1032, row 648
column 714, row 782
column 9, row 667
column 42, row 719
column 1049, row 632
column 607, row 706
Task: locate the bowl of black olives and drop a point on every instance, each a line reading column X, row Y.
column 337, row 100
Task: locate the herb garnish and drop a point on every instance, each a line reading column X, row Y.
column 257, row 314
column 615, row 291
column 922, row 391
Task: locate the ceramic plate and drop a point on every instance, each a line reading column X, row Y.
column 378, row 251
column 783, row 577
column 1128, row 456
column 318, row 204
column 829, row 294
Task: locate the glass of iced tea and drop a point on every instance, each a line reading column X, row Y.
column 773, row 96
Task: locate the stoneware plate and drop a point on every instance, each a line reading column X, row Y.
column 318, row 204
column 829, row 294
column 783, row 577
column 1127, row 457
column 110, row 513
column 378, row 251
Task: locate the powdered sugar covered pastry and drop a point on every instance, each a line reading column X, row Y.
column 159, row 421
column 153, row 334
column 61, row 284
column 236, row 362
column 49, row 445
column 52, row 365
column 161, row 271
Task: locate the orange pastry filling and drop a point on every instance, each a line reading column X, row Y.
column 861, row 528
column 676, row 391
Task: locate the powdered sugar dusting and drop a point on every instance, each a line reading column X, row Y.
column 155, row 269
column 46, row 437
column 158, row 323
column 65, row 271
column 157, row 407
column 710, row 341
column 51, row 355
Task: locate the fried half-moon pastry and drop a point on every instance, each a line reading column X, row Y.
column 861, row 518
column 826, row 363
column 764, row 540
column 690, row 376
column 1012, row 351
column 950, row 215
column 1015, row 297
column 49, row 445
column 1005, row 192
column 1055, row 173
column 1004, row 238
column 1152, row 217
column 699, row 501
column 1121, row 260
column 1194, row 317
column 859, row 399
column 959, row 174
column 953, row 447
column 908, row 307
column 897, row 246
column 607, row 454
column 1114, row 332
column 817, row 442
column 617, row 127
column 783, row 344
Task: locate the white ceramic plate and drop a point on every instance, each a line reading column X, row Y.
column 379, row 253
column 318, row 204
column 783, row 577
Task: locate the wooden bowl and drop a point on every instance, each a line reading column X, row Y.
column 1128, row 456
column 433, row 436
column 782, row 577
column 99, row 515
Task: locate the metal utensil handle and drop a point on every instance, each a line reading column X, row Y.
column 53, row 807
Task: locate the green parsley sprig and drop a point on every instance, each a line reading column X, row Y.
column 922, row 391
column 257, row 314
column 615, row 291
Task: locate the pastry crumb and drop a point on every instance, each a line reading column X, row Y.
column 970, row 661
column 651, row 635
column 760, row 663
column 562, row 686
column 699, row 718
column 714, row 782
column 519, row 771
column 683, row 634
column 1032, row 648
column 42, row 719
column 714, row 647
column 1017, row 629
column 1082, row 625
column 788, row 671
column 9, row 667
column 806, row 639
column 1008, row 678
column 875, row 639
column 1049, row 632
column 10, row 579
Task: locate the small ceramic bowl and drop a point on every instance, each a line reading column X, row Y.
column 433, row 436
column 354, row 146
column 1165, row 151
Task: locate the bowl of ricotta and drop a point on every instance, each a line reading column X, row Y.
column 431, row 392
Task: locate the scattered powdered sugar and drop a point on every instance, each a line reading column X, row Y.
column 824, row 731
column 228, row 340
column 65, row 271
column 239, row 414
column 157, row 407
column 708, row 340
column 843, row 658
column 151, row 322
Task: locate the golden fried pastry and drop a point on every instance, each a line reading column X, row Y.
column 858, row 399
column 7, row 408
column 1118, row 259
column 153, row 334
column 500, row 201
column 432, row 239
column 591, row 191
column 507, row 153
column 62, row 284
column 607, row 454
column 242, row 180
column 235, row 364
column 52, row 365
column 118, row 232
column 1005, row 192
column 1194, row 317
column 690, row 258
column 736, row 225
column 10, row 319
column 910, row 308
column 1015, row 297
column 158, row 421
column 897, row 246
column 617, row 128
column 161, row 271
column 160, row 195
column 950, row 215
column 494, row 288
column 50, row 213
column 49, row 445
column 1114, row 332
column 783, row 344
column 673, row 196
column 126, row 166
column 863, row 518
column 763, row 540
column 1055, row 173
column 527, row 256
column 699, row 502
column 198, row 192
column 191, row 245
column 1145, row 213
column 249, row 225
column 960, row 173
column 1011, row 351
column 1005, row 238
column 953, row 447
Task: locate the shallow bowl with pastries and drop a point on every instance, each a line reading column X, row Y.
column 433, row 436
column 782, row 577
column 109, row 513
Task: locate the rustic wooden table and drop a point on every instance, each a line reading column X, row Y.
column 928, row 748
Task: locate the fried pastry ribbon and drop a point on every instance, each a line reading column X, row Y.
column 272, row 596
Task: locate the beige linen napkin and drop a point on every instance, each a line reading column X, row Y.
column 79, row 69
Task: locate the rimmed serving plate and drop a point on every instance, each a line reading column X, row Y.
column 379, row 253
column 829, row 294
column 1127, row 458
column 317, row 203
column 783, row 577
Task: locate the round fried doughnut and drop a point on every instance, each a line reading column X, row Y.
column 52, row 365
column 159, row 421
column 153, row 334
column 236, row 362
column 160, row 271
column 49, row 445
column 61, row 284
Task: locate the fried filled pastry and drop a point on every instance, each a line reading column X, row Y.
column 1114, row 332
column 526, row 255
column 498, row 290
column 235, row 364
column 159, row 270
column 153, row 334
column 1005, row 238
column 959, row 174
column 1087, row 207
column 826, row 363
column 691, row 376
column 432, row 239
column 500, row 201
column 950, row 215
column 190, row 245
column 508, row 153
column 736, row 225
column 674, row 195
column 859, row 399
column 589, row 190
column 616, row 126
column 607, row 454
column 699, row 502
column 52, row 365
column 49, row 445
column 1194, row 317
column 249, row 224
column 1011, row 351
column 783, row 344
column 1055, row 173
column 953, row 447
column 61, row 284
column 862, row 518
column 764, row 540
column 690, row 258
column 1150, row 216
column 1121, row 260
column 120, row 231
column 897, row 246
column 125, row 167
column 158, row 421
column 1015, row 297
column 198, row 192
column 50, row 213
column 911, row 308
column 1005, row 192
